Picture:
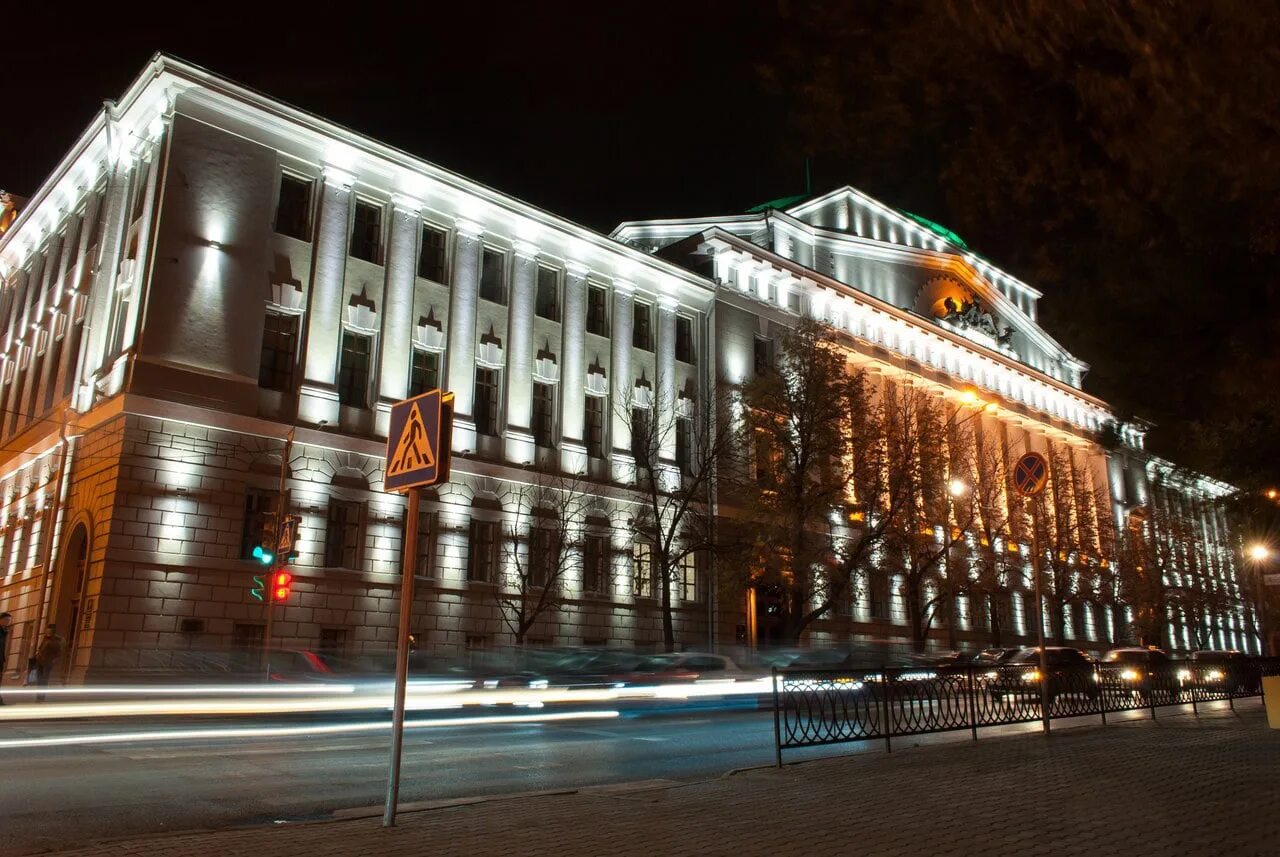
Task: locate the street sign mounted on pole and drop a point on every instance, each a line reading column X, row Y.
column 1030, row 474
column 418, row 441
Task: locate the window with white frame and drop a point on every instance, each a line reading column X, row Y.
column 482, row 553
column 642, row 569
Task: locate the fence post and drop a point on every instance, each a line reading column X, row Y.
column 1102, row 692
column 1195, row 709
column 888, row 717
column 973, row 705
column 1151, row 693
column 777, row 728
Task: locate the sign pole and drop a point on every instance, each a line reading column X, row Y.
column 402, row 657
column 1044, row 659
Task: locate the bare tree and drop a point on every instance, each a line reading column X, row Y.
column 679, row 455
column 542, row 546
column 995, row 558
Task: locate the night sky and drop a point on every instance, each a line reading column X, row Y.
column 1050, row 142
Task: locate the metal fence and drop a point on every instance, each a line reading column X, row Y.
column 831, row 706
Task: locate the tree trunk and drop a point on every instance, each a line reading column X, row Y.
column 993, row 610
column 668, row 623
column 953, row 639
column 1058, row 623
column 915, row 615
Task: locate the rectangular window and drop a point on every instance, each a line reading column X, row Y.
column 293, row 211
column 595, row 564
column 353, row 370
column 493, row 284
column 279, row 352
column 689, row 577
column 257, row 505
column 544, row 408
column 246, row 647
column 432, row 258
column 642, row 569
column 333, row 642
column 486, row 401
column 641, row 440
column 878, row 594
column 597, row 311
column 543, row 553
column 366, row 232
column 684, row 445
column 641, row 326
column 482, row 556
column 342, row 534
column 424, row 372
column 684, row 339
column 548, row 301
column 594, row 428
column 765, row 461
column 763, row 355
column 426, row 547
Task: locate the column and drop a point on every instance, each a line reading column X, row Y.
column 461, row 354
column 18, row 340
column 395, row 344
column 665, row 405
column 102, row 292
column 524, row 278
column 624, row 463
column 318, row 397
column 72, row 346
column 573, row 368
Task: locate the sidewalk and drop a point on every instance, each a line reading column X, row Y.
column 1179, row 786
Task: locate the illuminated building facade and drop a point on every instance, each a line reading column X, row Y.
column 210, row 279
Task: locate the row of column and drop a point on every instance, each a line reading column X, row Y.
column 319, row 398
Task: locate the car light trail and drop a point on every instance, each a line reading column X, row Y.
column 287, row 731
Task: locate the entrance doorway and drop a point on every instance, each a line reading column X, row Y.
column 69, row 589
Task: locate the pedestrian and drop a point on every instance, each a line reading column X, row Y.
column 46, row 659
column 6, row 620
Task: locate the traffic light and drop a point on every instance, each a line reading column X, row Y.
column 265, row 552
column 281, row 583
column 259, row 588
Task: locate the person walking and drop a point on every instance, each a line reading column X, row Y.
column 46, row 659
column 6, row 620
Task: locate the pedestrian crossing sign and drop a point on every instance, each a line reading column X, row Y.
column 418, row 441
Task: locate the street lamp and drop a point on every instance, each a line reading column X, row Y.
column 1258, row 553
column 957, row 488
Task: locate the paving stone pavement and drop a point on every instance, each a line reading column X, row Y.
column 1182, row 785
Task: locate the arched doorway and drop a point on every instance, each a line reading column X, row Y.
column 68, row 590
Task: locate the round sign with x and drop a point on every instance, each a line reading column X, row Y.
column 1030, row 474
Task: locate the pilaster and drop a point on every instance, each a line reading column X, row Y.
column 524, row 276
column 623, row 462
column 461, row 354
column 318, row 398
column 396, row 340
column 573, row 371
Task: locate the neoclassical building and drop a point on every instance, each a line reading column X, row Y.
column 212, row 284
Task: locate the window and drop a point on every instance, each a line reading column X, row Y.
column 642, row 569
column 486, row 401
column 765, row 461
column 424, row 372
column 432, row 255
column 493, row 285
column 353, row 370
column 426, row 546
column 293, row 211
column 482, row 557
column 342, row 534
column 257, row 505
column 544, row 550
column 366, row 232
column 640, row 436
column 878, row 594
column 333, row 642
column 544, row 408
column 547, row 304
column 597, row 311
column 594, row 428
column 689, row 577
column 684, row 445
column 246, row 646
column 763, row 355
column 279, row 352
column 595, row 564
column 684, row 339
column 641, row 326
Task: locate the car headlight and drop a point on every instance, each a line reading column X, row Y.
column 1031, row 675
column 1215, row 675
column 1129, row 675
column 1184, row 675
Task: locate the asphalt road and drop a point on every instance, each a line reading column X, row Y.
column 52, row 798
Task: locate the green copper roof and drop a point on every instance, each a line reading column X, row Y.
column 780, row 202
column 936, row 228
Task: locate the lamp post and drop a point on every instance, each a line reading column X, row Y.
column 1259, row 555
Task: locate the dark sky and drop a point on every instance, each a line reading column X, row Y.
column 621, row 112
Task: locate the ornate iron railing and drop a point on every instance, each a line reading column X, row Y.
column 831, row 706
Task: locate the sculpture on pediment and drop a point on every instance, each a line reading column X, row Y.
column 969, row 315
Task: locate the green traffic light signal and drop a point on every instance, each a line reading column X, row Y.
column 259, row 589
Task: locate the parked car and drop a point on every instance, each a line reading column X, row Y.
column 1221, row 671
column 1070, row 671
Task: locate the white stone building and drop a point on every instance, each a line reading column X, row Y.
column 210, row 278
